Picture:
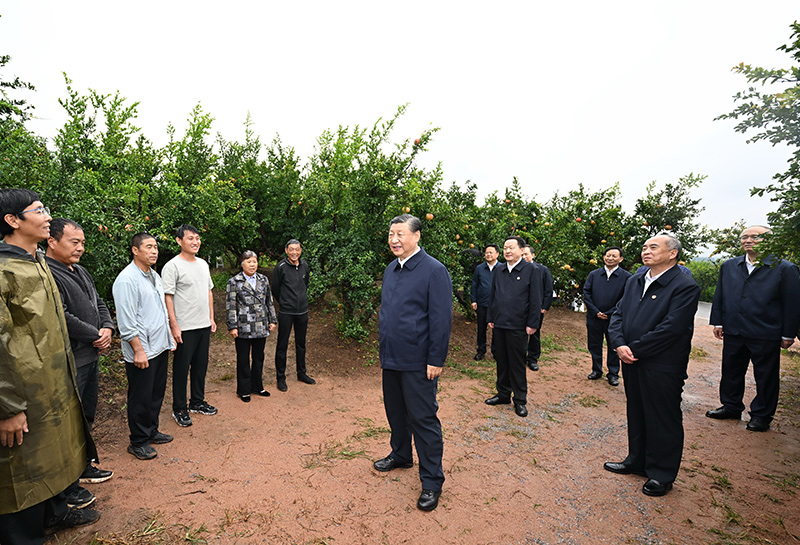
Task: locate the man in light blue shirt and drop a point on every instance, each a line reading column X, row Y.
column 146, row 341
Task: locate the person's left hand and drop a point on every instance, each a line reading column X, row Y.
column 434, row 372
column 272, row 327
column 104, row 340
column 786, row 343
column 530, row 330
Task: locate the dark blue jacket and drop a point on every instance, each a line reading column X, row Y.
column 762, row 305
column 415, row 316
column 482, row 284
column 601, row 293
column 547, row 285
column 658, row 327
column 516, row 298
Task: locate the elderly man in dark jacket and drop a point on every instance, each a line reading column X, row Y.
column 479, row 294
column 414, row 330
column 90, row 328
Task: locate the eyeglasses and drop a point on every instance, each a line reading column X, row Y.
column 42, row 210
column 751, row 237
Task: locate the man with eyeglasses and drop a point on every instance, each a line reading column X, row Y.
column 44, row 439
column 755, row 314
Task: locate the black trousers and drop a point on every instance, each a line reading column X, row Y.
column 482, row 326
column 535, row 343
column 285, row 324
column 596, row 331
column 190, row 360
column 510, row 348
column 146, row 389
column 655, row 420
column 248, row 377
column 410, row 402
column 737, row 352
column 26, row 527
column 88, row 380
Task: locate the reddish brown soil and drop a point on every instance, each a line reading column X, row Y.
column 296, row 468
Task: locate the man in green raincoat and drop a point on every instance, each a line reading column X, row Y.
column 44, row 442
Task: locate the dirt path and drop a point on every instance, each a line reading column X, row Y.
column 295, row 468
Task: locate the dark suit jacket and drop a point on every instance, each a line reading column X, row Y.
column 602, row 293
column 763, row 305
column 657, row 327
column 415, row 316
column 515, row 301
column 547, row 285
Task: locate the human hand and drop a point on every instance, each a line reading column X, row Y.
column 272, row 327
column 719, row 333
column 474, row 306
column 626, row 354
column 104, row 340
column 11, row 429
column 786, row 343
column 434, row 372
column 234, row 333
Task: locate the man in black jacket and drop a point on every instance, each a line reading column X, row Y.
column 90, row 327
column 651, row 330
column 481, row 286
column 535, row 340
column 755, row 313
column 290, row 290
column 515, row 308
column 601, row 292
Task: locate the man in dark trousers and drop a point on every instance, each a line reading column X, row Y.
column 481, row 286
column 651, row 330
column 515, row 309
column 290, row 290
column 601, row 292
column 414, row 331
column 90, row 328
column 755, row 313
column 535, row 340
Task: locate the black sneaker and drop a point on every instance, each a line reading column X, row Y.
column 79, row 498
column 203, row 408
column 182, row 417
column 159, row 438
column 94, row 475
column 73, row 518
column 143, row 452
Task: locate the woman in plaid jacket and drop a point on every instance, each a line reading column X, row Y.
column 250, row 318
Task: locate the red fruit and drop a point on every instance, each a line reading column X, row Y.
column 578, row 219
column 429, row 216
column 417, row 142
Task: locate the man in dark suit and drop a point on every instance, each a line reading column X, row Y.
column 651, row 330
column 414, row 332
column 535, row 340
column 601, row 293
column 479, row 294
column 515, row 309
column 755, row 313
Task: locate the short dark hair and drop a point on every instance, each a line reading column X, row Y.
column 413, row 222
column 138, row 238
column 57, row 227
column 14, row 200
column 520, row 241
column 247, row 254
column 294, row 241
column 495, row 246
column 181, row 231
column 529, row 247
column 617, row 248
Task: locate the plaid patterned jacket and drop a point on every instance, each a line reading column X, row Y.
column 248, row 310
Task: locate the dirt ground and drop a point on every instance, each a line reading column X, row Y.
column 296, row 467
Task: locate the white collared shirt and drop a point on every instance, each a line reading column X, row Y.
column 403, row 261
column 512, row 265
column 609, row 272
column 751, row 266
column 649, row 280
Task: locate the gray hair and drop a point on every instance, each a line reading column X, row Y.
column 413, row 222
column 247, row 254
column 672, row 242
column 294, row 241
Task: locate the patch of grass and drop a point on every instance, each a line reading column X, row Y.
column 591, row 401
column 197, row 477
column 785, row 482
column 224, row 378
column 698, row 352
column 328, row 452
column 370, row 429
column 193, row 535
column 731, row 516
column 550, row 344
column 483, row 371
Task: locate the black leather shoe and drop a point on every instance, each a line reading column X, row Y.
column 282, row 384
column 389, row 463
column 655, row 488
column 497, row 400
column 521, row 410
column 307, row 379
column 613, row 381
column 533, row 365
column 245, row 398
column 621, row 468
column 429, row 499
column 263, row 393
column 478, row 356
column 758, row 424
column 724, row 413
column 594, row 375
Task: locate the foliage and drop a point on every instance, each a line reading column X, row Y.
column 774, row 115
column 17, row 109
column 705, row 273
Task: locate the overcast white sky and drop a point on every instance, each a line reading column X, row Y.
column 554, row 93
